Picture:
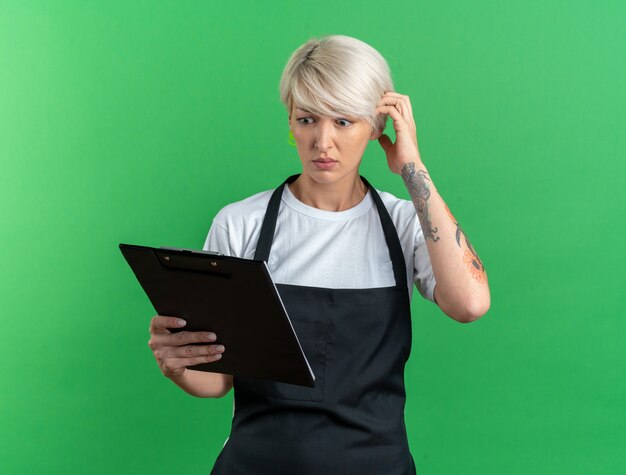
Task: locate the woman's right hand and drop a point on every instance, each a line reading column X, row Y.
column 173, row 351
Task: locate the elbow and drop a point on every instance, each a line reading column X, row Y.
column 224, row 388
column 473, row 310
column 222, row 393
column 465, row 308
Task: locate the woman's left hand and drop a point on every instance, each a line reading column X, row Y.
column 405, row 150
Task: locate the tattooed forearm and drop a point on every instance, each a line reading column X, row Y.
column 416, row 183
column 475, row 266
column 472, row 260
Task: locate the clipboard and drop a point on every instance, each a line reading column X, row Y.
column 233, row 297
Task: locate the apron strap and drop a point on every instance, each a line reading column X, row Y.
column 266, row 237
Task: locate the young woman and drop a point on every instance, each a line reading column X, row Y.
column 344, row 256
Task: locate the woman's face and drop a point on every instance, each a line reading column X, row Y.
column 329, row 148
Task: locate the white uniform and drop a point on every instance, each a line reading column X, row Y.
column 331, row 249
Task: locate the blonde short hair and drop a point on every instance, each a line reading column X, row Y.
column 337, row 76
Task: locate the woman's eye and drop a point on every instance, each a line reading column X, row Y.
column 344, row 122
column 305, row 120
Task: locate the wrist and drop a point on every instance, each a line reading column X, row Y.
column 411, row 166
column 178, row 377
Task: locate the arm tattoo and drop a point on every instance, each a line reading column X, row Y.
column 470, row 258
column 419, row 191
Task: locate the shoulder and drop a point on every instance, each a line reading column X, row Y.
column 247, row 210
column 236, row 226
column 402, row 211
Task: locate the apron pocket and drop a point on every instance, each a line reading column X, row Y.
column 312, row 337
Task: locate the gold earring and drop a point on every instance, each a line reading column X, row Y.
column 291, row 140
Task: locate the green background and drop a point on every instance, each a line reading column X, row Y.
column 136, row 122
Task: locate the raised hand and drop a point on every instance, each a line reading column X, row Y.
column 405, row 149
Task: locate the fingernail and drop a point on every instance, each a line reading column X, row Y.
column 180, row 322
column 211, row 337
column 219, row 348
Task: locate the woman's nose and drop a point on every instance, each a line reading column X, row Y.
column 324, row 136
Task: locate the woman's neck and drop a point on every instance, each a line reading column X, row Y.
column 337, row 196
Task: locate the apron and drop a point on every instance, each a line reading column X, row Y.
column 357, row 342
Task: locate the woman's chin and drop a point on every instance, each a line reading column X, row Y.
column 326, row 177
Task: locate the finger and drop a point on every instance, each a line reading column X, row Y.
column 393, row 102
column 400, row 122
column 407, row 103
column 181, row 338
column 198, row 359
column 160, row 324
column 191, row 351
column 396, row 95
column 401, row 101
column 185, row 338
column 391, row 98
column 392, row 111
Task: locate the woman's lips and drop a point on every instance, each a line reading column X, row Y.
column 325, row 163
